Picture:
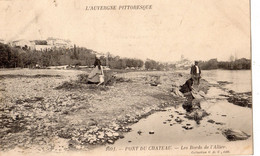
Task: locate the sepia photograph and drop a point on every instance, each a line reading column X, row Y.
column 125, row 77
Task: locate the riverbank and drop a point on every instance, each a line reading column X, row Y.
column 35, row 112
column 55, row 111
column 225, row 129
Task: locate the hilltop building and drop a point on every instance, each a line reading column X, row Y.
column 42, row 45
column 23, row 44
column 183, row 63
column 59, row 43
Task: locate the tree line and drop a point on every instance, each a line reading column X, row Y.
column 11, row 57
column 238, row 64
column 115, row 62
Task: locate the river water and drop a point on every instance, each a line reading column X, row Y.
column 168, row 132
column 241, row 79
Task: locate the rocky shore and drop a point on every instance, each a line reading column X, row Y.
column 46, row 110
column 59, row 112
column 243, row 99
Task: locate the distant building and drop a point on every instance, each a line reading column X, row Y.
column 183, row 63
column 23, row 44
column 59, row 43
column 41, row 45
column 40, row 42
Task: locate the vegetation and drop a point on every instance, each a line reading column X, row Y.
column 121, row 63
column 238, row 64
column 11, row 57
column 153, row 65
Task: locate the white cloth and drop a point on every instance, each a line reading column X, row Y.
column 197, row 70
column 94, row 75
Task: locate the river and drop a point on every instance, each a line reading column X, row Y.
column 160, row 129
column 241, row 79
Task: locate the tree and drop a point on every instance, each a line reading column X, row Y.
column 3, row 55
column 151, row 64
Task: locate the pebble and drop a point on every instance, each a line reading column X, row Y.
column 109, row 134
column 139, row 132
column 116, row 128
column 211, row 121
column 116, row 134
column 110, row 141
column 179, row 120
column 187, row 127
column 101, row 136
column 151, row 132
column 219, row 123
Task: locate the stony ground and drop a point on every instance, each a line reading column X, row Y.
column 54, row 110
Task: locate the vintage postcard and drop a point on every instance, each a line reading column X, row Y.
column 125, row 77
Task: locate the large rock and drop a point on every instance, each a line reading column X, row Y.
column 240, row 99
column 234, row 135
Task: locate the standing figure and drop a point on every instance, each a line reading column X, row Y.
column 195, row 73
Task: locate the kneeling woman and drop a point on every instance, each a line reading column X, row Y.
column 96, row 76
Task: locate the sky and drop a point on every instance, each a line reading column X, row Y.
column 196, row 29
